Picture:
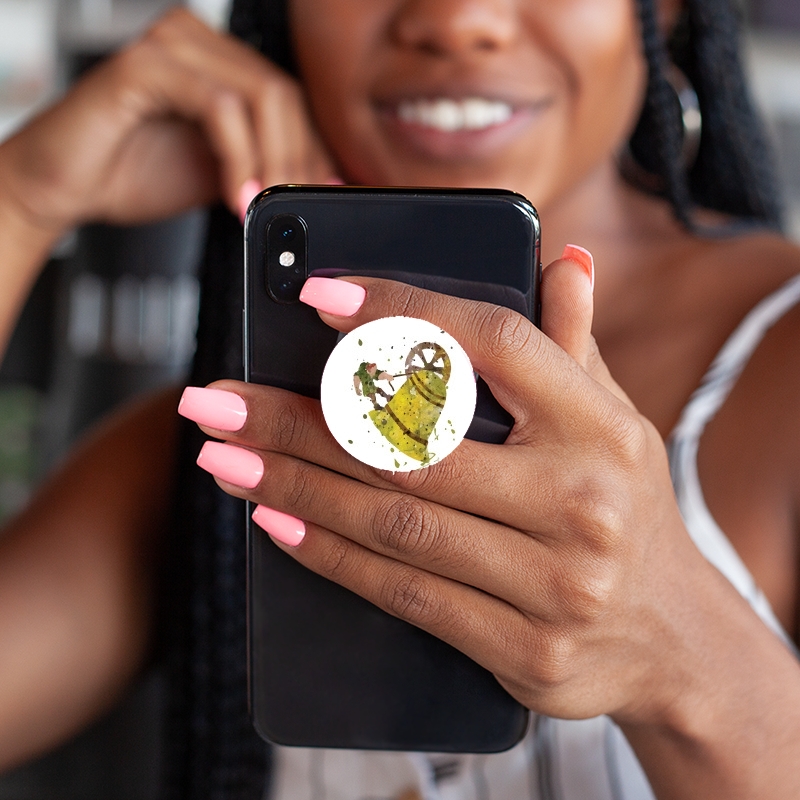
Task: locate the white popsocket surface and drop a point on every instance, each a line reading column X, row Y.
column 398, row 393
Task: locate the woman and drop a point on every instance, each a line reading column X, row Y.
column 581, row 582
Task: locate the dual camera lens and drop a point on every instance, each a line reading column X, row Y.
column 287, row 241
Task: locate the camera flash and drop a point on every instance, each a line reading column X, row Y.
column 286, row 258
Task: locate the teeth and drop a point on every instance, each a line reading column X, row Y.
column 448, row 115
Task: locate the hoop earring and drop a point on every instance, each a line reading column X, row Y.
column 691, row 121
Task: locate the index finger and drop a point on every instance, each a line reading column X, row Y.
column 522, row 366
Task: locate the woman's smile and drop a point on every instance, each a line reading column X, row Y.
column 452, row 128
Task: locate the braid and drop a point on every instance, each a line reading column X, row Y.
column 732, row 173
column 656, row 143
column 265, row 25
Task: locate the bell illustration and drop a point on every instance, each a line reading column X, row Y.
column 408, row 418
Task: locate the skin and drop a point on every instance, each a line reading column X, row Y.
column 589, row 600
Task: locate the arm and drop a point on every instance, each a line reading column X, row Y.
column 180, row 118
column 77, row 572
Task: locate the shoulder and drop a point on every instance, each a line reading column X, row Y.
column 763, row 271
column 749, row 458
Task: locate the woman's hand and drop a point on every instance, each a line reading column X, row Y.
column 180, row 117
column 543, row 558
column 557, row 560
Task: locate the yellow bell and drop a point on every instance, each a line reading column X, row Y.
column 408, row 419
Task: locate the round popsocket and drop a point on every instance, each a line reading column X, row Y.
column 398, row 393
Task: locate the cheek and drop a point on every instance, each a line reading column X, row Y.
column 333, row 40
column 611, row 72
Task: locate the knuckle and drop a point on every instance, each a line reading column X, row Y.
column 594, row 514
column 589, row 591
column 334, row 560
column 288, row 428
column 167, row 27
column 627, row 438
column 507, row 334
column 405, row 525
column 408, row 300
column 412, row 598
column 429, row 481
column 300, row 491
column 552, row 663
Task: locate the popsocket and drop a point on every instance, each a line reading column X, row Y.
column 398, row 393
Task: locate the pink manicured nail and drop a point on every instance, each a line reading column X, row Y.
column 341, row 298
column 249, row 190
column 232, row 464
column 283, row 527
column 580, row 255
column 216, row 408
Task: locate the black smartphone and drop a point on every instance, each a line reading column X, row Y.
column 327, row 668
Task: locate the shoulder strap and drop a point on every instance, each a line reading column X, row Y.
column 683, row 443
column 726, row 368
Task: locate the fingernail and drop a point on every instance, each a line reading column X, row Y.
column 341, row 298
column 334, row 180
column 216, row 408
column 232, row 464
column 250, row 188
column 580, row 255
column 283, row 527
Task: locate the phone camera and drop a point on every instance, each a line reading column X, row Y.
column 286, row 257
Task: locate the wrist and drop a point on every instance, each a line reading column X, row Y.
column 25, row 244
column 725, row 721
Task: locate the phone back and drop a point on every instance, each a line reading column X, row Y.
column 327, row 668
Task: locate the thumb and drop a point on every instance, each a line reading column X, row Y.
column 568, row 303
column 567, row 310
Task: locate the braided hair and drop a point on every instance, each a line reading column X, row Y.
column 211, row 749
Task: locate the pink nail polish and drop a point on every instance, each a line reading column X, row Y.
column 232, row 464
column 341, row 298
column 216, row 408
column 283, row 527
column 249, row 190
column 580, row 255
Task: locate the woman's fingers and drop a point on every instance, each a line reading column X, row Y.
column 284, row 145
column 531, row 376
column 490, row 631
column 515, row 485
column 506, row 563
column 179, row 118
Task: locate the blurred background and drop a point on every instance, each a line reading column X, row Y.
column 114, row 314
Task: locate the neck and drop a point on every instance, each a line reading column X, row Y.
column 609, row 217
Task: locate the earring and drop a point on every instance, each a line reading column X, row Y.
column 691, row 121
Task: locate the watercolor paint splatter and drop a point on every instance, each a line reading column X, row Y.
column 398, row 393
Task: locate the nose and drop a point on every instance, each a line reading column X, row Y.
column 449, row 27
